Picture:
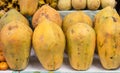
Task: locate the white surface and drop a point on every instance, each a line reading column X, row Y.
column 35, row 65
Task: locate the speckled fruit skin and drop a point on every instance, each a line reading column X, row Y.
column 49, row 44
column 81, row 40
column 107, row 27
column 16, row 40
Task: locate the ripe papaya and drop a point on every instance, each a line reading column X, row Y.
column 107, row 26
column 81, row 40
column 49, row 44
column 16, row 40
column 47, row 12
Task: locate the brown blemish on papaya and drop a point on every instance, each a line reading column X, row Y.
column 115, row 46
column 78, row 65
column 12, row 27
column 114, row 19
column 78, row 51
column 86, row 54
column 58, row 35
column 108, row 35
column 50, row 66
column 54, row 64
column 46, row 15
column 16, row 59
column 101, row 45
column 72, row 31
column 105, row 53
column 111, row 57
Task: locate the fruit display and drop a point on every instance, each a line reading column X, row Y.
column 62, row 34
column 24, row 6
column 107, row 26
column 51, row 40
column 80, row 45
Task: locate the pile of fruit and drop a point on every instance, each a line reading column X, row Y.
column 28, row 7
column 77, row 34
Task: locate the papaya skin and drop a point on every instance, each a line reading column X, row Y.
column 16, row 41
column 51, row 46
column 107, row 26
column 12, row 15
column 75, row 17
column 48, row 12
column 80, row 46
column 93, row 4
column 26, row 8
column 106, row 12
column 9, row 16
column 79, row 4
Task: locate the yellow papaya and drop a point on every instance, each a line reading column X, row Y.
column 16, row 41
column 93, row 4
column 79, row 4
column 48, row 12
column 105, row 3
column 28, row 7
column 75, row 17
column 107, row 26
column 80, row 45
column 49, row 44
column 12, row 15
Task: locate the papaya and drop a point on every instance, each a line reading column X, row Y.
column 12, row 15
column 107, row 26
column 48, row 12
column 81, row 40
column 64, row 5
column 105, row 12
column 93, row 4
column 16, row 40
column 75, row 17
column 28, row 7
column 79, row 4
column 49, row 44
column 105, row 3
column 9, row 16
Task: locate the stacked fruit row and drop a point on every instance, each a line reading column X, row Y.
column 28, row 7
column 51, row 36
column 83, row 4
